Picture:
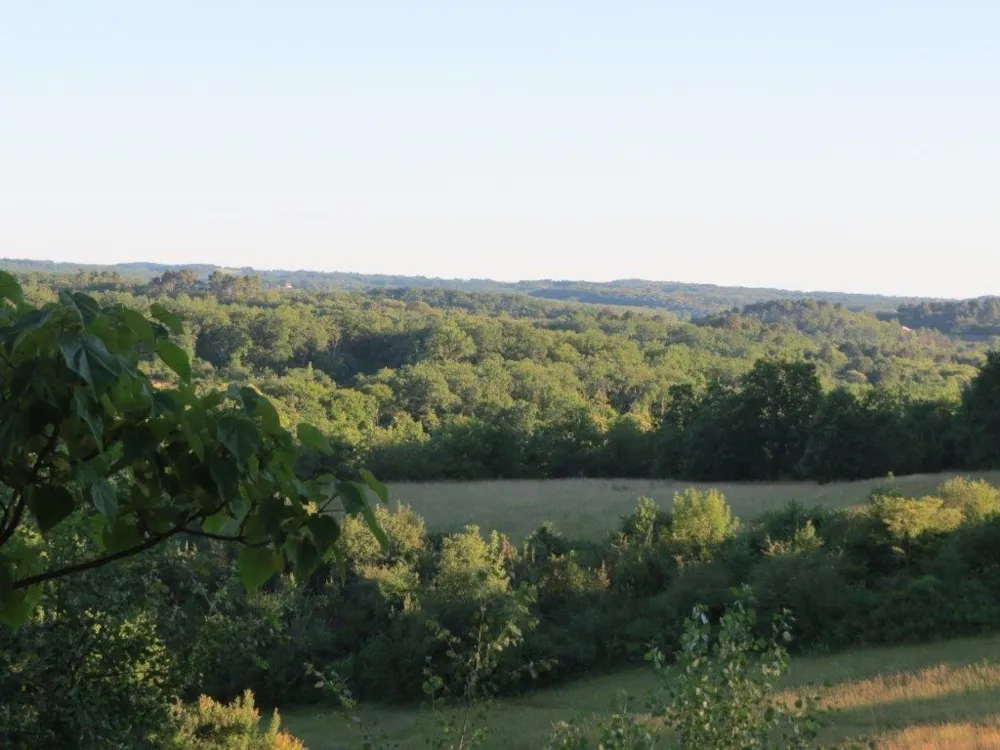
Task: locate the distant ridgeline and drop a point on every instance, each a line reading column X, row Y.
column 418, row 381
column 683, row 300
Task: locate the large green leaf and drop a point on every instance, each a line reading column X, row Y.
column 261, row 407
column 239, row 436
column 325, row 531
column 355, row 502
column 139, row 326
column 169, row 319
column 16, row 606
column 352, row 496
column 89, row 410
column 88, row 357
column 9, row 288
column 311, row 437
column 210, row 400
column 371, row 521
column 256, row 566
column 376, row 486
column 104, row 497
column 226, row 474
column 215, row 523
column 121, row 535
column 306, row 557
column 84, row 306
column 50, row 504
column 175, row 358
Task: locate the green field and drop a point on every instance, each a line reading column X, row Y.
column 930, row 696
column 590, row 508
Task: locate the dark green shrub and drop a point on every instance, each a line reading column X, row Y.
column 926, row 608
column 812, row 585
column 90, row 668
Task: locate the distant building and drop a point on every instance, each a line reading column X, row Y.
column 907, row 329
column 287, row 285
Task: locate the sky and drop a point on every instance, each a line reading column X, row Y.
column 848, row 146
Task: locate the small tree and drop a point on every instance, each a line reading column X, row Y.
column 723, row 691
column 701, row 522
column 476, row 657
column 720, row 694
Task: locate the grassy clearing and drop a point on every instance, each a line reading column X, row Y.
column 590, row 508
column 942, row 695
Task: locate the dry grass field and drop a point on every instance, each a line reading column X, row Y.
column 590, row 508
column 944, row 695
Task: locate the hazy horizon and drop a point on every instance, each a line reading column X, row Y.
column 802, row 145
column 512, row 280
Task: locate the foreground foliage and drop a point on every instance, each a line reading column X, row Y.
column 87, row 432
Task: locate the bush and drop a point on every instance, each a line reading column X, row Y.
column 784, row 525
column 977, row 547
column 927, row 608
column 658, row 619
column 645, row 525
column 404, row 529
column 829, row 610
column 908, row 519
column 701, row 522
column 471, row 567
column 975, row 498
column 209, row 725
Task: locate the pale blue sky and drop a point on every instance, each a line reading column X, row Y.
column 850, row 145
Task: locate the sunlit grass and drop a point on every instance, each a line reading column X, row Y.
column 590, row 508
column 933, row 682
column 945, row 736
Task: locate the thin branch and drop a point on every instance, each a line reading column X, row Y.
column 222, row 537
column 98, row 562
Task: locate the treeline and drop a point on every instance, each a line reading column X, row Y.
column 683, row 299
column 974, row 317
column 427, row 384
column 775, row 423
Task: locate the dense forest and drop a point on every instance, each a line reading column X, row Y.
column 426, row 384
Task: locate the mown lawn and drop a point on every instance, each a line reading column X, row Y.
column 944, row 695
column 590, row 508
